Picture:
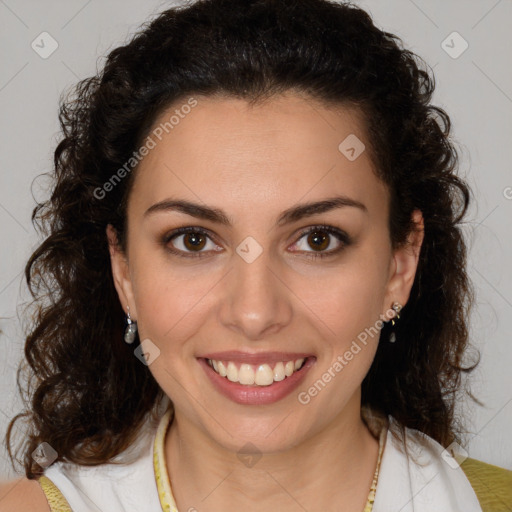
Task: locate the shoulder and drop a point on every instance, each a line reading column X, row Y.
column 492, row 484
column 22, row 495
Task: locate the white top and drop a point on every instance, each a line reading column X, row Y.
column 426, row 479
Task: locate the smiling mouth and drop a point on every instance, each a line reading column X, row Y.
column 256, row 375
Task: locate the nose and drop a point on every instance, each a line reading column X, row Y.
column 256, row 299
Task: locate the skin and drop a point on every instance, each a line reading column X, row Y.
column 254, row 163
column 22, row 494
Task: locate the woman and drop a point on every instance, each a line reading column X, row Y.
column 257, row 280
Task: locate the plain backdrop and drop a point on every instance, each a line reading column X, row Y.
column 474, row 85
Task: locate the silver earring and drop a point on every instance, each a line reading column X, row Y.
column 396, row 307
column 131, row 328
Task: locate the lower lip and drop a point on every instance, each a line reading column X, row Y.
column 256, row 395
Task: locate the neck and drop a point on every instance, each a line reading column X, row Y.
column 331, row 470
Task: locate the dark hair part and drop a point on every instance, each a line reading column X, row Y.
column 90, row 394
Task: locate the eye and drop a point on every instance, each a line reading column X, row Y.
column 193, row 240
column 320, row 238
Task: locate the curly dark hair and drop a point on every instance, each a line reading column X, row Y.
column 87, row 396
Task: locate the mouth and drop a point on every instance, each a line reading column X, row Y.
column 256, row 375
column 256, row 379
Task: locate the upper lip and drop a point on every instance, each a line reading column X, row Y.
column 256, row 358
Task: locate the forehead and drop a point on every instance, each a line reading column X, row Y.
column 273, row 153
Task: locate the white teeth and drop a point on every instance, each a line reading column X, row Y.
column 246, row 374
column 263, row 375
column 222, row 369
column 232, row 372
column 279, row 372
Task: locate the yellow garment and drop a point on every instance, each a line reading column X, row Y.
column 54, row 497
column 492, row 485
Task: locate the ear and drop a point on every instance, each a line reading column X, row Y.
column 403, row 265
column 120, row 272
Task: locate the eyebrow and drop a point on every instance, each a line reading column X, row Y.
column 289, row 216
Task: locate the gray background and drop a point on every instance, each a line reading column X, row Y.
column 475, row 88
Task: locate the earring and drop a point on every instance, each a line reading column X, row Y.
column 131, row 328
column 396, row 307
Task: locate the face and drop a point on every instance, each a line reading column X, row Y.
column 259, row 280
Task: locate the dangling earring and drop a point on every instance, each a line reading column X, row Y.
column 396, row 307
column 131, row 328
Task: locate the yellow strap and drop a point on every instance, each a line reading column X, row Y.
column 492, row 485
column 55, row 498
column 163, row 483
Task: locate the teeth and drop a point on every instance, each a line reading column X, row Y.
column 232, row 372
column 222, row 369
column 279, row 372
column 246, row 374
column 263, row 375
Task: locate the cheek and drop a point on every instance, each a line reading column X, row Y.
column 169, row 300
column 349, row 313
column 349, row 299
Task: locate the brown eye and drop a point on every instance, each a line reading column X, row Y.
column 318, row 240
column 194, row 241
column 189, row 242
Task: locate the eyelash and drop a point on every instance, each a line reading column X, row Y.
column 343, row 237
